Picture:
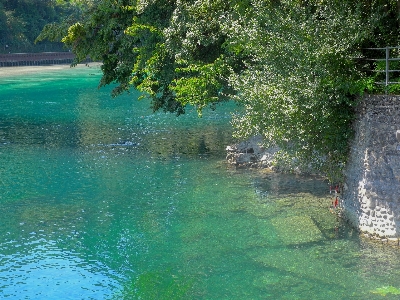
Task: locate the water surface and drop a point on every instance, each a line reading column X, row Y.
column 101, row 199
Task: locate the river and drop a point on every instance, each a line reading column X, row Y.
column 102, row 199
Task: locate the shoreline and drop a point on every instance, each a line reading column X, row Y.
column 23, row 70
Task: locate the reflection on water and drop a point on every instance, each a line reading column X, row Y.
column 46, row 272
column 101, row 199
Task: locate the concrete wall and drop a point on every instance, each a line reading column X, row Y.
column 371, row 194
column 33, row 59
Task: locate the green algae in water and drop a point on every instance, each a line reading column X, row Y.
column 296, row 230
column 386, row 290
column 157, row 285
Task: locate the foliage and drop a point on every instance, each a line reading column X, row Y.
column 290, row 64
column 156, row 47
column 21, row 22
column 377, row 77
column 128, row 44
column 298, row 88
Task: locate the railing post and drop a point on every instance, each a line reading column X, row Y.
column 387, row 69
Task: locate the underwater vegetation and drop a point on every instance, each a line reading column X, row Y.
column 383, row 291
column 157, row 285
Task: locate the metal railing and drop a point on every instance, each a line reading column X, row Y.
column 387, row 61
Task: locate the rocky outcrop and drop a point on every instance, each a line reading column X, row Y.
column 371, row 197
column 251, row 153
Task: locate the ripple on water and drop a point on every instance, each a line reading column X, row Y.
column 48, row 272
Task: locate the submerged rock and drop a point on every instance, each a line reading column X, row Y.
column 251, row 153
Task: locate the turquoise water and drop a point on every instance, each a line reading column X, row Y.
column 101, row 199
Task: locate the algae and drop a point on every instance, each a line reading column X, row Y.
column 296, row 230
column 385, row 290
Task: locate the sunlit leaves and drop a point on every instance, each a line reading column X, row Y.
column 289, row 63
column 298, row 83
column 199, row 85
column 75, row 33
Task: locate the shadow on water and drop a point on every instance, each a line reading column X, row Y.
column 134, row 139
column 23, row 133
column 272, row 184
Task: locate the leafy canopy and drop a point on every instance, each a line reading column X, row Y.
column 21, row 21
column 290, row 64
column 299, row 85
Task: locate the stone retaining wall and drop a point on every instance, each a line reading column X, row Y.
column 371, row 196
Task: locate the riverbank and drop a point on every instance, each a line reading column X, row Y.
column 370, row 200
column 22, row 70
column 252, row 153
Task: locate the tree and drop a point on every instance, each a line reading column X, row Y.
column 289, row 63
column 21, row 21
column 169, row 50
column 299, row 87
